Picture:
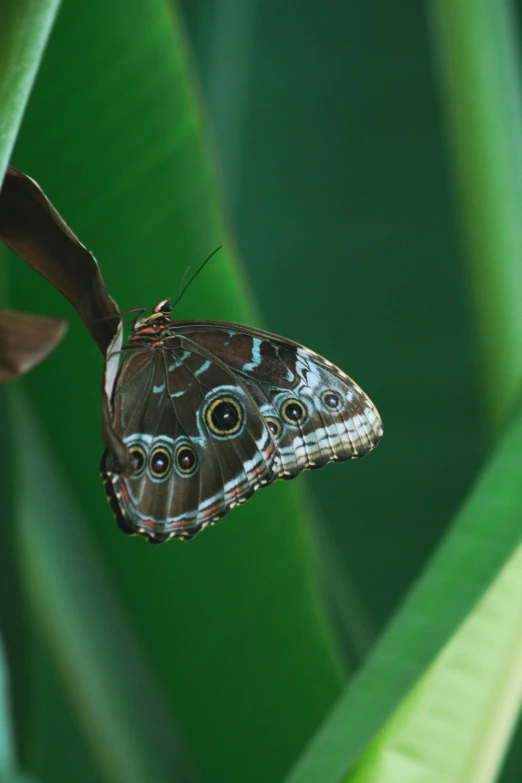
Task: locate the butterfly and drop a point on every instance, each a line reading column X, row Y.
column 211, row 411
column 197, row 415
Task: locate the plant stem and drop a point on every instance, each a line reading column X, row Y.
column 478, row 63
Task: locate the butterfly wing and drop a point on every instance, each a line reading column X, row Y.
column 197, row 442
column 316, row 413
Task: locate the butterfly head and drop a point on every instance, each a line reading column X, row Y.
column 165, row 306
column 153, row 325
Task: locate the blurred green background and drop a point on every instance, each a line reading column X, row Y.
column 336, row 169
column 312, row 143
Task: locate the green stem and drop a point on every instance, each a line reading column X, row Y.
column 477, row 53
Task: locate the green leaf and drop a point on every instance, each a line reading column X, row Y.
column 232, row 619
column 11, row 613
column 24, row 31
column 6, row 739
column 116, row 699
column 455, row 725
column 484, row 537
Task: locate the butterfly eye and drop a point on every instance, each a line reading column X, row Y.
column 139, row 458
column 186, row 460
column 224, row 416
column 274, row 425
column 331, row 400
column 293, row 411
column 159, row 463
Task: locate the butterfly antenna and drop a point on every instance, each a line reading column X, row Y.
column 196, row 273
column 184, row 277
column 139, row 310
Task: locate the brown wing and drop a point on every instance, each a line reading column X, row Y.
column 315, row 411
column 198, row 442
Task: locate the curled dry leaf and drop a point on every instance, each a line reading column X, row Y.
column 32, row 227
column 25, row 340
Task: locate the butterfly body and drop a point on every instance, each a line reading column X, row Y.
column 210, row 411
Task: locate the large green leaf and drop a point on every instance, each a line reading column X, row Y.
column 455, row 725
column 108, row 685
column 482, row 540
column 230, row 623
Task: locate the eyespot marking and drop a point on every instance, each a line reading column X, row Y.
column 159, row 462
column 186, row 460
column 331, row 399
column 274, row 425
column 224, row 416
column 139, row 459
column 293, row 411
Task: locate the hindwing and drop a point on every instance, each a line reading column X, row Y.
column 174, row 404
